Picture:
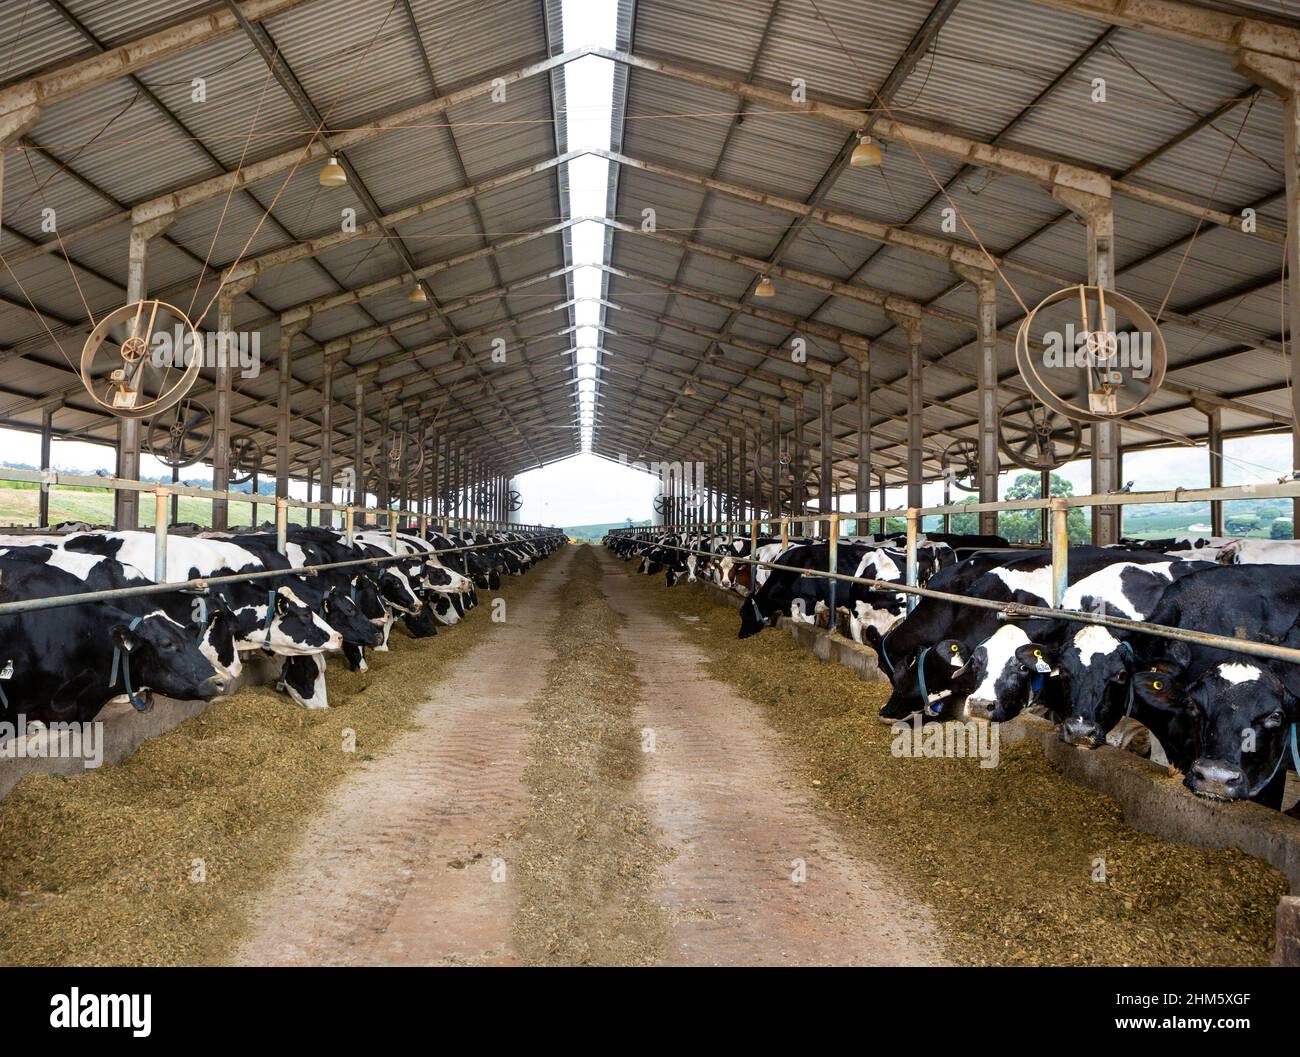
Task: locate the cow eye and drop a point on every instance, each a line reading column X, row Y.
column 1273, row 720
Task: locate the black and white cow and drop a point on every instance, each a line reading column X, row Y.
column 208, row 619
column 1259, row 552
column 1022, row 579
column 64, row 664
column 268, row 614
column 1063, row 660
column 1237, row 714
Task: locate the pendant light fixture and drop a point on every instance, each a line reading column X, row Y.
column 866, row 154
column 332, row 174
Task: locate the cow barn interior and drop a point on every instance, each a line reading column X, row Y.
column 857, row 284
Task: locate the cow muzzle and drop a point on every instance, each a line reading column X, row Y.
column 981, row 707
column 1076, row 730
column 214, row 685
column 1217, row 780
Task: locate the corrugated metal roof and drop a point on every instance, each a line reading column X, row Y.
column 359, row 60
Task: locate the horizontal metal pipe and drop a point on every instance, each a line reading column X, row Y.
column 58, row 477
column 202, row 583
column 1280, row 490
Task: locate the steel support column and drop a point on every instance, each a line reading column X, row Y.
column 826, row 491
column 742, row 473
column 359, row 440
column 221, row 404
column 863, row 479
column 1214, row 427
column 421, row 438
column 47, row 436
column 776, row 462
column 986, row 290
column 728, row 481
column 327, row 440
column 126, row 504
column 288, row 331
column 798, row 496
column 915, row 406
column 1099, row 214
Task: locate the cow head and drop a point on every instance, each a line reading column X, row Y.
column 752, row 618
column 725, row 567
column 365, row 593
column 924, row 682
column 1096, row 669
column 873, row 613
column 395, row 587
column 344, row 615
column 437, row 577
column 1243, row 716
column 165, row 658
column 217, row 640
column 1003, row 673
column 296, row 629
column 303, row 679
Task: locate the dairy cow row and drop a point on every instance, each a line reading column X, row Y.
column 65, row 663
column 1225, row 719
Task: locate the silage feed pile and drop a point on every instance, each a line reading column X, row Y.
column 151, row 861
column 588, row 853
column 1007, row 855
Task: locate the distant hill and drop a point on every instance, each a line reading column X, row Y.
column 596, row 532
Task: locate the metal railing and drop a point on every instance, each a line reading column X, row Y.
column 162, row 524
column 1058, row 508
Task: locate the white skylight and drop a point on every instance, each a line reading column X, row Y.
column 589, row 95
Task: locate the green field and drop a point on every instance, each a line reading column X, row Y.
column 595, row 533
column 18, row 507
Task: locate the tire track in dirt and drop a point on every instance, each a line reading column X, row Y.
column 397, row 867
column 715, row 787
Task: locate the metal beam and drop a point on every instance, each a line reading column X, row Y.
column 78, row 75
column 1191, row 24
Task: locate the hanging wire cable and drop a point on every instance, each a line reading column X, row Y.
column 90, row 316
column 64, row 165
column 230, row 192
column 306, row 150
column 1200, row 221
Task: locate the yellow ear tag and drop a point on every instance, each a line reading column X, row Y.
column 1038, row 653
column 1156, row 684
column 954, row 647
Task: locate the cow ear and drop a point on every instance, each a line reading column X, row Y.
column 125, row 638
column 1291, row 679
column 1178, row 652
column 1036, row 658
